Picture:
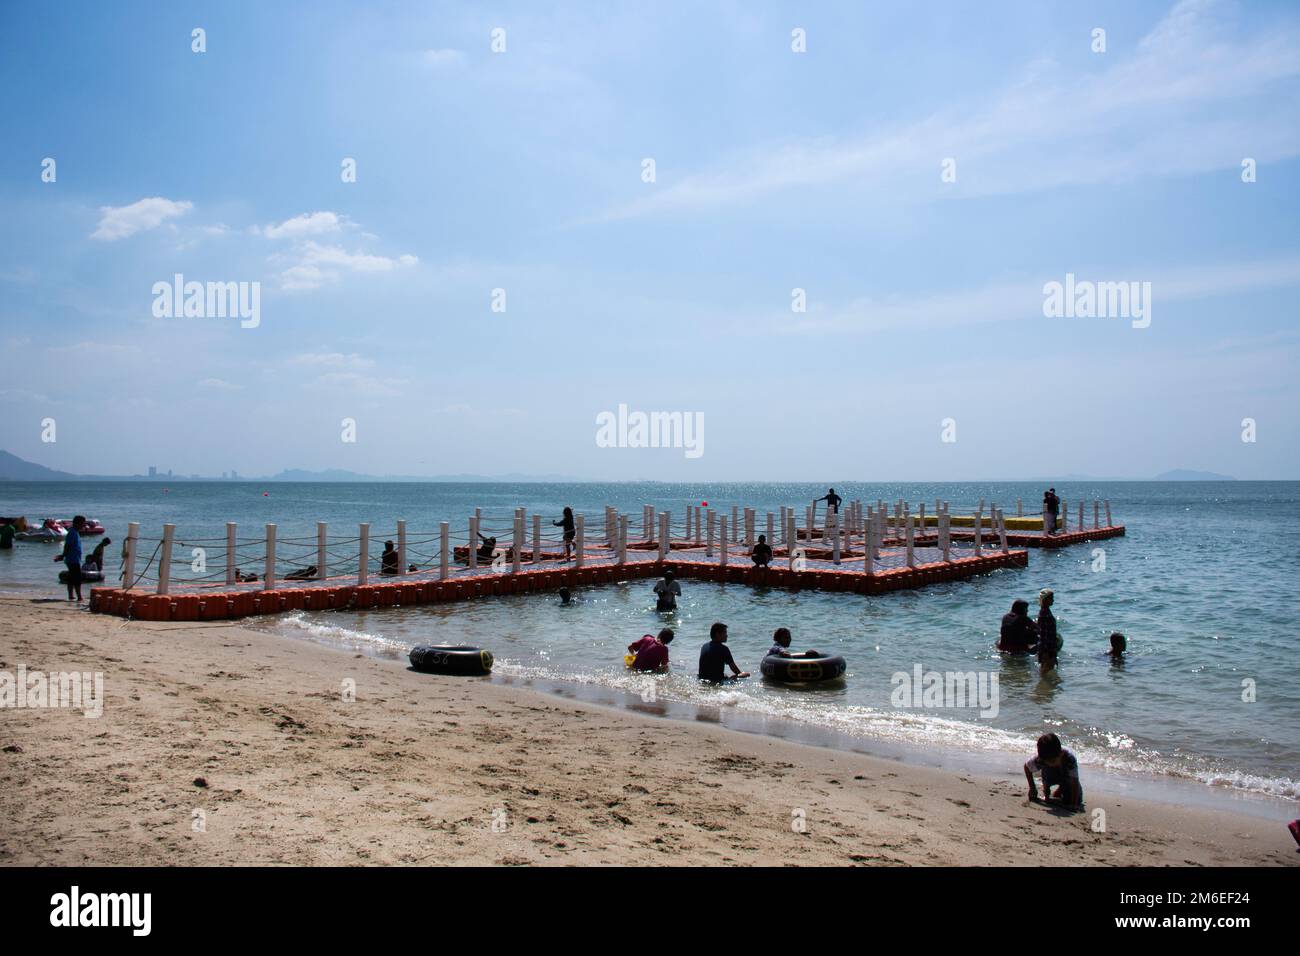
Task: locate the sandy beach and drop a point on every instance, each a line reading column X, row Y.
column 222, row 745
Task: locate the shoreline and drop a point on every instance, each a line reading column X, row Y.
column 418, row 769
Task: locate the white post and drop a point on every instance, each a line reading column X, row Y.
column 537, row 539
column 580, row 532
column 749, row 529
column 1080, row 515
column 231, row 555
column 444, row 532
column 1109, row 523
column 771, row 541
column 647, row 520
column 1096, row 513
column 722, row 521
column 708, row 548
column 1064, row 516
column 322, row 553
column 363, row 571
column 165, row 561
column 808, row 526
column 519, row 542
column 401, row 547
column 979, row 528
column 868, row 544
column 471, row 559
column 783, row 540
column 663, row 535
column 622, row 539
column 133, row 538
column 921, row 518
column 735, row 526
column 1002, row 531
column 945, row 533
column 1020, row 508
column 833, row 520
column 268, row 577
column 911, row 551
column 792, row 546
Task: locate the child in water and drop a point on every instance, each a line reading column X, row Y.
column 1118, row 645
column 781, row 646
column 1060, row 769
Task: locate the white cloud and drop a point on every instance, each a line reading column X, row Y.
column 330, row 360
column 118, row 222
column 316, row 264
column 1181, row 104
column 307, row 224
column 220, row 385
column 439, row 59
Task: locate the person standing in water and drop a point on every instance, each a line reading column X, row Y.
column 1019, row 633
column 1049, row 642
column 71, row 557
column 667, row 591
column 570, row 531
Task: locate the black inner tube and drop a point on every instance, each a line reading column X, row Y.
column 799, row 670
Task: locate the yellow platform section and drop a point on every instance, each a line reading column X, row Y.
column 1027, row 523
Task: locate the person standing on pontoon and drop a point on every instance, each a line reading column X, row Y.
column 570, row 532
column 1051, row 508
column 832, row 501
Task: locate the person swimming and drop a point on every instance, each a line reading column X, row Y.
column 781, row 646
column 1118, row 645
column 667, row 592
column 565, row 597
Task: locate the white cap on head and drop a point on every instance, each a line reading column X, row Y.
column 1045, row 596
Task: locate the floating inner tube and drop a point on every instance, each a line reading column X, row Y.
column 451, row 659
column 801, row 670
column 88, row 577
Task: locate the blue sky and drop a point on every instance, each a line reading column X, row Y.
column 775, row 170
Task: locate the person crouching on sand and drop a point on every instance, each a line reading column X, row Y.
column 1060, row 769
column 652, row 652
column 1019, row 633
column 715, row 657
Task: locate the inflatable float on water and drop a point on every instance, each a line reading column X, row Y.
column 87, row 577
column 451, row 659
column 803, row 670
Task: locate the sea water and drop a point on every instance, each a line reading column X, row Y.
column 1202, row 585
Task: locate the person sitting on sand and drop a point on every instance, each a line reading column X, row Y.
column 762, row 553
column 1049, row 643
column 1118, row 645
column 652, row 652
column 1060, row 769
column 388, row 560
column 667, row 591
column 781, row 646
column 1019, row 633
column 715, row 657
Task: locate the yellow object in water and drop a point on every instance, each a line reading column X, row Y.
column 629, row 660
column 1025, row 523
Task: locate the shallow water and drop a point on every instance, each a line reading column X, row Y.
column 1199, row 585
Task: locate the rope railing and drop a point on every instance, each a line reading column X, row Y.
column 872, row 536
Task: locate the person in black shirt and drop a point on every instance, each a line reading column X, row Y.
column 762, row 553
column 1019, row 634
column 715, row 657
column 1049, row 642
column 388, row 560
column 570, row 531
column 832, row 501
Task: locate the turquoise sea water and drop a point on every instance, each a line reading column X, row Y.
column 1202, row 585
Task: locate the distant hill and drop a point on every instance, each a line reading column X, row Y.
column 1183, row 474
column 13, row 468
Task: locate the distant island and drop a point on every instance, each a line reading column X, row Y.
column 1183, row 474
column 13, row 468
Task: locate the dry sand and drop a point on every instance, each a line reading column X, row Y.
column 417, row 769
